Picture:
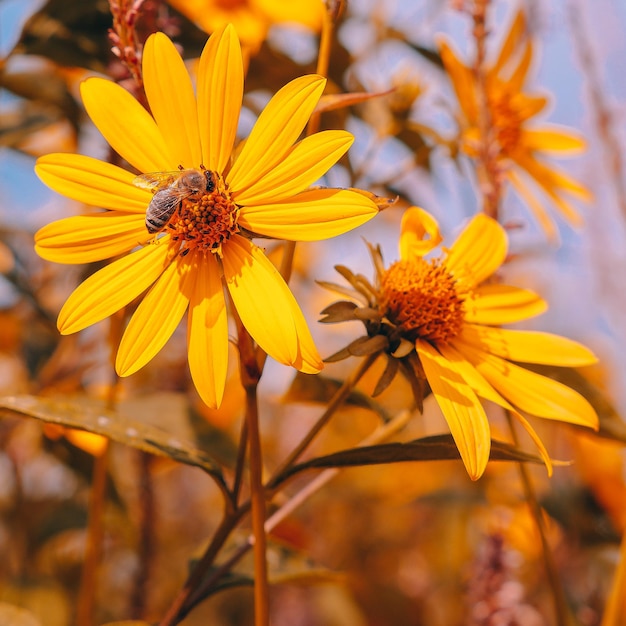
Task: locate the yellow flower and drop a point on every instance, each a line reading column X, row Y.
column 521, row 145
column 251, row 18
column 440, row 317
column 206, row 244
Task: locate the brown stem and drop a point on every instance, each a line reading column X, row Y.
column 340, row 395
column 261, row 588
column 561, row 607
column 147, row 534
column 488, row 151
column 95, row 533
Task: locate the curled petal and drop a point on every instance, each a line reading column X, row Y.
column 419, row 233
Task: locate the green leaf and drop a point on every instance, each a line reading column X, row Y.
column 91, row 416
column 434, row 448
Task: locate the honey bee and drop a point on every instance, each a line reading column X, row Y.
column 170, row 189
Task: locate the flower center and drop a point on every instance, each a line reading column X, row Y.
column 206, row 220
column 422, row 298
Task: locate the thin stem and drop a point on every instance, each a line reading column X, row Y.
column 323, row 59
column 561, row 607
column 241, row 461
column 489, row 171
column 178, row 608
column 261, row 589
column 147, row 535
column 380, row 434
column 340, row 395
column 95, row 533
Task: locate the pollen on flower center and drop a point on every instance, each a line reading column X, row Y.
column 422, row 298
column 206, row 221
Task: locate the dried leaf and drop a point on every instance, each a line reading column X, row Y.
column 342, row 311
column 434, row 448
column 331, row 102
column 391, row 369
column 364, row 346
column 114, row 425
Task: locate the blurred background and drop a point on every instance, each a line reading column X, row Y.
column 405, row 545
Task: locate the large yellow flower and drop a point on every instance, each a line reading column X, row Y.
column 262, row 190
column 440, row 317
column 251, row 18
column 521, row 145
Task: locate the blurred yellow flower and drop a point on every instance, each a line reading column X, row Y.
column 443, row 311
column 206, row 241
column 251, row 18
column 521, row 145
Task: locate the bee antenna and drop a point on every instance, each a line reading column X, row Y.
column 180, row 167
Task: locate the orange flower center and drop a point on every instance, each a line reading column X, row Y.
column 422, row 298
column 208, row 220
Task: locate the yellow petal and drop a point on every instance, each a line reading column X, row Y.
column 479, row 250
column 89, row 238
column 537, row 208
column 517, row 77
column 478, row 383
column 220, row 91
column 172, row 101
column 303, row 164
column 126, row 125
column 267, row 307
column 550, row 178
column 155, row 319
column 462, row 409
column 92, row 181
column 502, row 304
column 113, row 287
column 528, row 346
column 462, row 80
column 276, row 130
column 419, row 233
column 207, row 329
column 552, row 139
column 515, row 36
column 531, row 392
column 310, row 216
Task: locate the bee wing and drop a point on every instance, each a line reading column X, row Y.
column 165, row 202
column 155, row 180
